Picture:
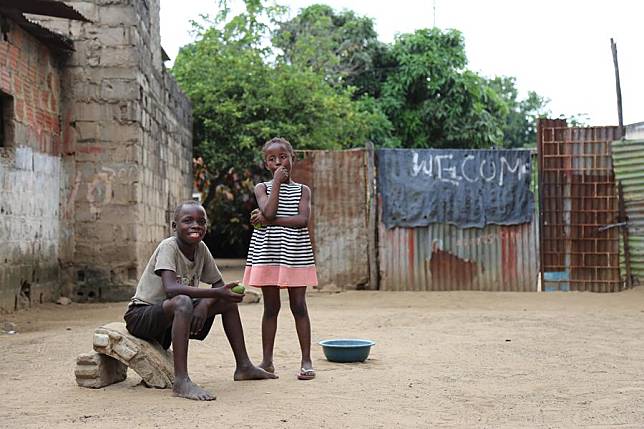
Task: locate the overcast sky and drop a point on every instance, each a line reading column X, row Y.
column 558, row 48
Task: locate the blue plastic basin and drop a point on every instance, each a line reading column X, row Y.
column 346, row 350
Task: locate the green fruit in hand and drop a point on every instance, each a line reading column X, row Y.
column 240, row 289
column 258, row 226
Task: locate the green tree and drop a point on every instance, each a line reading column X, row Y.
column 521, row 122
column 241, row 99
column 458, row 107
column 239, row 102
column 326, row 82
column 432, row 100
column 341, row 46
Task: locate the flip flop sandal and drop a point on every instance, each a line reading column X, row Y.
column 306, row 374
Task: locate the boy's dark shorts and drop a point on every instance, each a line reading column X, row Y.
column 150, row 323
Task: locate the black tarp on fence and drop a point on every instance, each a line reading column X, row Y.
column 466, row 188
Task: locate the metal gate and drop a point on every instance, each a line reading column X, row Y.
column 578, row 208
column 445, row 257
column 339, row 224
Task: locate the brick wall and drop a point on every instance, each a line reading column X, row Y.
column 129, row 131
column 32, row 178
column 167, row 137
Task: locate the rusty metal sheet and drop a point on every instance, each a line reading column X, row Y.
column 339, row 215
column 48, row 38
column 577, row 197
column 628, row 157
column 53, row 8
column 443, row 257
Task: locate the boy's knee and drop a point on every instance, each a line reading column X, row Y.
column 182, row 304
column 227, row 306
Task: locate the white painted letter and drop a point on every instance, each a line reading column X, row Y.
column 415, row 168
column 454, row 179
column 467, row 158
column 507, row 164
column 488, row 179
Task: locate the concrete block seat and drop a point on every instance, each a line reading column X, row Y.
column 95, row 370
column 116, row 350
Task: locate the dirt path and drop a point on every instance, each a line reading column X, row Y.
column 446, row 359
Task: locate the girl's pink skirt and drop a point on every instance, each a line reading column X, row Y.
column 280, row 275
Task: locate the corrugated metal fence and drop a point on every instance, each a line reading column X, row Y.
column 340, row 209
column 628, row 158
column 572, row 240
column 437, row 257
column 444, row 257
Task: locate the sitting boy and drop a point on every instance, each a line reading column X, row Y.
column 169, row 307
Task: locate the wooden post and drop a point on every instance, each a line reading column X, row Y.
column 540, row 125
column 372, row 222
column 618, row 88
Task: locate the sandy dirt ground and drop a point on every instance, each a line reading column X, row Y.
column 442, row 359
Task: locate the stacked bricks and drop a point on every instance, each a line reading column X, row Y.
column 30, row 75
column 103, row 90
column 114, row 351
column 96, row 370
column 32, row 178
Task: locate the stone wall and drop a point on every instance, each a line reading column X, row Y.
column 122, row 158
column 33, row 226
column 167, row 137
column 131, row 132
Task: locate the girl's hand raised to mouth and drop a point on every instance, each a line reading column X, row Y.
column 281, row 175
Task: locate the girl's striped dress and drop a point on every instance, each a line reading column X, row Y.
column 280, row 255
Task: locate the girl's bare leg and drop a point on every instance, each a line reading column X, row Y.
column 297, row 300
column 245, row 370
column 272, row 306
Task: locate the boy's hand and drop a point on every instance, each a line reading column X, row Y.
column 280, row 175
column 229, row 295
column 199, row 315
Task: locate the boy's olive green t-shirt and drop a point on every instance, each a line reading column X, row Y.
column 167, row 256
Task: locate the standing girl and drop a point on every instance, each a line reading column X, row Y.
column 280, row 254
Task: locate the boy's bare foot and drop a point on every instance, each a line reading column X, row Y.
column 185, row 388
column 252, row 373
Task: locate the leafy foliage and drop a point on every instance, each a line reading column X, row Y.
column 520, row 126
column 340, row 46
column 420, row 81
column 240, row 100
column 433, row 101
column 324, row 81
column 229, row 211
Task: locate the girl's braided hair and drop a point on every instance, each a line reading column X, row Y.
column 279, row 140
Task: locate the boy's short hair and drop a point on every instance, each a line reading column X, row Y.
column 178, row 209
